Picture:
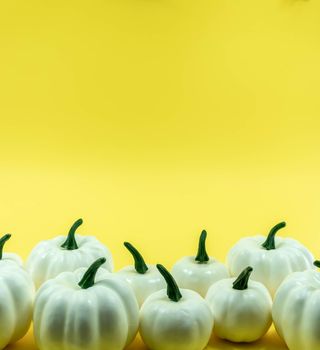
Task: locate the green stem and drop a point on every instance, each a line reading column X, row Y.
column 71, row 243
column 139, row 263
column 173, row 291
column 3, row 240
column 316, row 263
column 202, row 256
column 241, row 282
column 87, row 280
column 269, row 242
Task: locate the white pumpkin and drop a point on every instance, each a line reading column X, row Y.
column 85, row 310
column 272, row 258
column 51, row 257
column 175, row 319
column 16, row 301
column 144, row 279
column 241, row 308
column 296, row 310
column 199, row 272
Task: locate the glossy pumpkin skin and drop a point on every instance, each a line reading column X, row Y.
column 240, row 315
column 17, row 295
column 48, row 258
column 174, row 319
column 272, row 258
column 145, row 284
column 296, row 310
column 193, row 275
column 144, row 279
column 183, row 325
column 104, row 316
column 65, row 253
column 199, row 272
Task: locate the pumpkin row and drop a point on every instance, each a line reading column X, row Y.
column 76, row 302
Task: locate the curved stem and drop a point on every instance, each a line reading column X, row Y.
column 202, row 256
column 316, row 263
column 269, row 242
column 173, row 291
column 3, row 240
column 87, row 280
column 241, row 282
column 139, row 263
column 71, row 243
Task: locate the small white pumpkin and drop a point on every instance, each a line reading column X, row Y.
column 272, row 258
column 199, row 272
column 175, row 319
column 296, row 310
column 144, row 279
column 17, row 294
column 51, row 257
column 241, row 308
column 85, row 310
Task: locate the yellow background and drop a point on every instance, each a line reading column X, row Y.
column 154, row 119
